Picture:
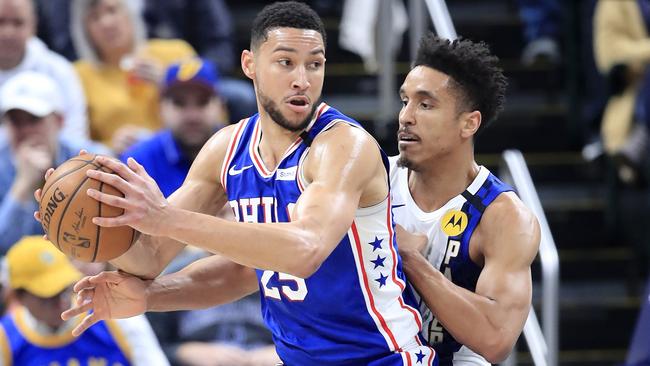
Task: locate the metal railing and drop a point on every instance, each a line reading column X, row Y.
column 543, row 346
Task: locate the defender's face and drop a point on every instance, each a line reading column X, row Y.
column 429, row 124
column 289, row 68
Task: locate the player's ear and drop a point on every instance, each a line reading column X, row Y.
column 471, row 121
column 248, row 64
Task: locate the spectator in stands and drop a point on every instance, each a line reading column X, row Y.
column 33, row 332
column 542, row 25
column 21, row 51
column 621, row 47
column 207, row 26
column 191, row 111
column 120, row 70
column 31, row 108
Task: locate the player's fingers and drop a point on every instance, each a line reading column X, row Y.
column 121, row 220
column 48, row 173
column 88, row 322
column 111, row 200
column 83, row 283
column 83, row 151
column 37, row 216
column 118, row 167
column 107, row 277
column 108, row 178
column 37, row 195
column 82, row 308
column 84, row 296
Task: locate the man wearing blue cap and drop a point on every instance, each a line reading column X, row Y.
column 191, row 111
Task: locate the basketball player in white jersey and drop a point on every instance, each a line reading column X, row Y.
column 473, row 270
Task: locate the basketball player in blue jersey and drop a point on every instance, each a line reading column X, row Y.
column 473, row 270
column 309, row 188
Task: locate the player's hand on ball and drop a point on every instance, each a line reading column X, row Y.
column 143, row 203
column 38, row 193
column 110, row 295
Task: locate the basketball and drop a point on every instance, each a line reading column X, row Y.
column 66, row 213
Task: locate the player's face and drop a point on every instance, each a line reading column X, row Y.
column 109, row 27
column 289, row 69
column 25, row 128
column 192, row 113
column 429, row 123
column 16, row 26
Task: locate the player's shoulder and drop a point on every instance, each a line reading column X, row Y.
column 508, row 220
column 214, row 150
column 508, row 208
column 344, row 135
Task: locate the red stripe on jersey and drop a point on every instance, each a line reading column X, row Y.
column 432, row 356
column 382, row 321
column 255, row 154
column 396, row 280
column 389, row 225
column 231, row 149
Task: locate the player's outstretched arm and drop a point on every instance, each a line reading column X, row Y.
column 345, row 170
column 490, row 320
column 207, row 282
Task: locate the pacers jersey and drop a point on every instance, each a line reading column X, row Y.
column 351, row 310
column 449, row 230
column 20, row 344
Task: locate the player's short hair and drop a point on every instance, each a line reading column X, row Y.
column 474, row 70
column 287, row 14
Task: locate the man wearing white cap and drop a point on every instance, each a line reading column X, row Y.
column 33, row 333
column 32, row 111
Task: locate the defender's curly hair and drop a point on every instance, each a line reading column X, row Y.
column 289, row 14
column 474, row 70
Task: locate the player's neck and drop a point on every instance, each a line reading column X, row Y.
column 275, row 141
column 437, row 183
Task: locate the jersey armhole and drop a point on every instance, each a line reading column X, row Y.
column 233, row 143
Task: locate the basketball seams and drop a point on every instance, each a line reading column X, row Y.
column 65, row 209
column 88, row 162
column 99, row 228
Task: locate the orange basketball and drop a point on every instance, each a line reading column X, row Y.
column 66, row 213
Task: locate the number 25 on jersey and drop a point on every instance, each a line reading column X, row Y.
column 291, row 287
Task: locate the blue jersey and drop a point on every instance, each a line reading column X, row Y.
column 449, row 230
column 101, row 344
column 351, row 310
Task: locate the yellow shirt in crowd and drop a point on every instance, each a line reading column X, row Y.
column 115, row 99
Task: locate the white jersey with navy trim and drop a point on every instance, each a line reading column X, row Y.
column 448, row 230
column 353, row 310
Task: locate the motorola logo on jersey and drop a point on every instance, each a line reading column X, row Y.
column 454, row 222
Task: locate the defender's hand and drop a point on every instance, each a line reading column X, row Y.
column 110, row 295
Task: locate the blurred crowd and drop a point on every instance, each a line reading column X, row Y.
column 153, row 80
